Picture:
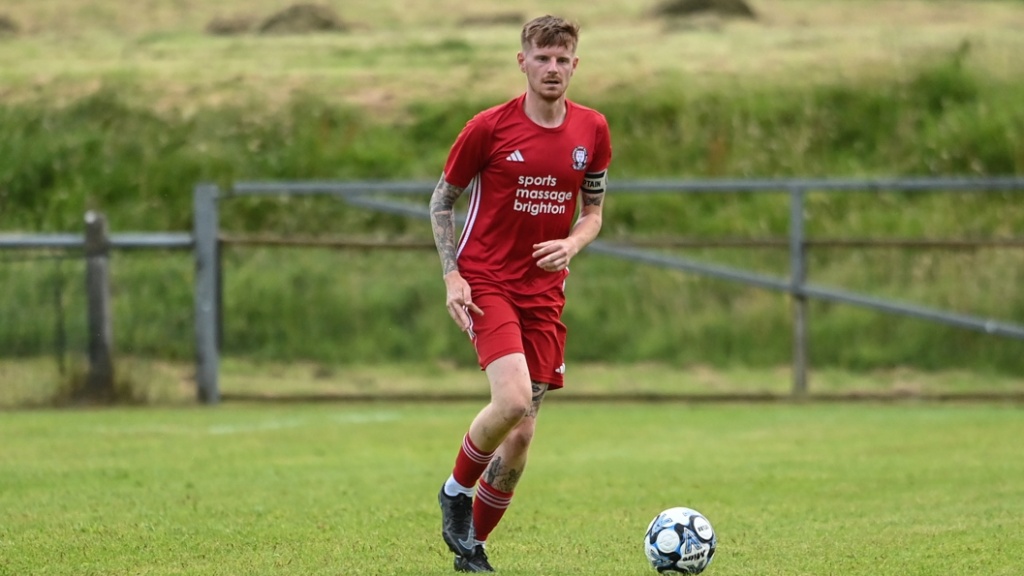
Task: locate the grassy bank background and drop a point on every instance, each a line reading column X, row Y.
column 138, row 165
column 142, row 105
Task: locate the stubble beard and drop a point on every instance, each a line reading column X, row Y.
column 552, row 97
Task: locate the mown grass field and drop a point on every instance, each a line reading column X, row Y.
column 349, row 489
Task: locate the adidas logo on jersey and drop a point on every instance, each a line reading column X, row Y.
column 516, row 156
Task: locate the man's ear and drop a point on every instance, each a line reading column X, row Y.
column 521, row 58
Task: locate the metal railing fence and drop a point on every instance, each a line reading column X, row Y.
column 205, row 239
column 367, row 194
column 92, row 250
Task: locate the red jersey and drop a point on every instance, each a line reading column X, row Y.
column 524, row 182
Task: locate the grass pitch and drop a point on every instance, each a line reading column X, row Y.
column 897, row 489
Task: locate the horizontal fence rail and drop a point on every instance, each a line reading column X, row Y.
column 421, row 187
column 343, row 242
column 124, row 241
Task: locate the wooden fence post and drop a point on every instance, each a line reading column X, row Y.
column 100, row 380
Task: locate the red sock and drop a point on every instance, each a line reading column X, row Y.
column 470, row 463
column 488, row 508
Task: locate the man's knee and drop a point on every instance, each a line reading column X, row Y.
column 519, row 439
column 513, row 409
column 511, row 389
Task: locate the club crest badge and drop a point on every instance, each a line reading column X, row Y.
column 579, row 158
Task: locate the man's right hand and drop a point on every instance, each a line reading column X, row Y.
column 460, row 300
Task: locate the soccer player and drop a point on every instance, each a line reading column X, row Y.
column 528, row 164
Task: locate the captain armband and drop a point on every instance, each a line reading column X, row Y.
column 595, row 182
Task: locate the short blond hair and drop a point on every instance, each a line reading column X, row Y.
column 547, row 31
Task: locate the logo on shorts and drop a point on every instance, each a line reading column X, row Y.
column 560, row 369
column 579, row 158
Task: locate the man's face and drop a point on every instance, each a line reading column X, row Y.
column 548, row 70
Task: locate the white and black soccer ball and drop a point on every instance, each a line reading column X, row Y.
column 680, row 540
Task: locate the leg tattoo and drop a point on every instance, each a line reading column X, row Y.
column 501, row 477
column 505, row 470
column 539, row 390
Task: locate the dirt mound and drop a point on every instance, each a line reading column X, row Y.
column 302, row 19
column 724, row 8
column 8, row 27
column 231, row 25
column 495, row 19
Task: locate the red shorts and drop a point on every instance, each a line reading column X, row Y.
column 529, row 325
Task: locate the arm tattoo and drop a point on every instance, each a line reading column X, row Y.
column 442, row 220
column 592, row 199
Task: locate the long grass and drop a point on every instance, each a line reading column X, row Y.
column 350, row 489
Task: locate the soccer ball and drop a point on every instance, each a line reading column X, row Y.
column 680, row 540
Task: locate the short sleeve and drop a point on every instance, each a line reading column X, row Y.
column 469, row 154
column 602, row 148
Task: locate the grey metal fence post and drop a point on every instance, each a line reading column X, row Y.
column 205, row 232
column 798, row 276
column 100, row 379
